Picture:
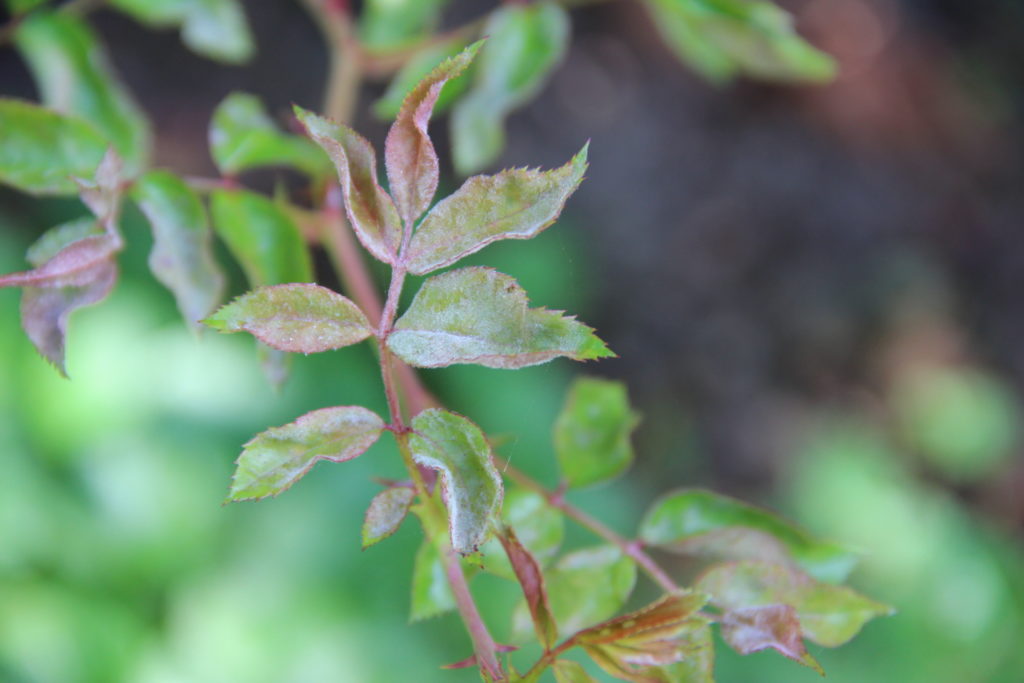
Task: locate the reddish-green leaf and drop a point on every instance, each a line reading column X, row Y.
column 182, row 257
column 829, row 615
column 243, row 136
column 568, row 671
column 74, row 76
column 456, row 448
column 698, row 522
column 74, row 267
column 752, row 629
column 592, row 432
column 431, row 592
column 525, row 43
column 531, row 580
column 478, row 315
column 371, row 212
column 408, row 152
column 514, row 204
column 698, row 657
column 414, row 70
column 538, row 526
column 298, row 318
column 41, row 151
column 660, row 620
column 385, row 514
column 274, row 460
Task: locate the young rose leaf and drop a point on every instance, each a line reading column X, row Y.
column 74, row 267
column 698, row 657
column 409, row 154
column 727, row 38
column 660, row 620
column 538, row 526
column 456, row 448
column 385, row 514
column 74, row 76
column 584, row 587
column 431, row 592
column 531, row 580
column 525, row 43
column 568, row 671
column 261, row 237
column 182, row 256
column 370, row 210
column 592, row 432
column 514, row 204
column 478, row 315
column 216, row 29
column 415, row 69
column 829, row 615
column 243, row 137
column 694, row 521
column 752, row 629
column 274, row 460
column 297, row 318
column 389, row 25
column 41, row 151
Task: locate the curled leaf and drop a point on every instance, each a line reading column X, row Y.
column 531, row 579
column 478, row 315
column 456, row 448
column 275, row 459
column 752, row 629
column 300, row 318
column 513, row 204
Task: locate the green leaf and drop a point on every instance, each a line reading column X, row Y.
column 568, row 671
column 722, row 39
column 74, row 76
column 514, row 204
column 415, row 69
column 458, row 450
column 525, row 43
column 431, row 592
column 388, row 25
column 212, row 28
column 752, row 629
column 409, row 154
column 698, row 522
column 297, row 318
column 530, row 578
column 243, row 136
column 385, row 514
column 478, row 315
column 274, row 460
column 261, row 236
column 41, row 151
column 371, row 212
column 698, row 658
column 585, row 587
column 182, row 257
column 74, row 267
column 538, row 526
column 592, row 432
column 829, row 615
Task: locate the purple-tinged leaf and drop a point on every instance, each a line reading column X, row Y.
column 472, row 487
column 74, row 268
column 431, row 592
column 829, row 615
column 592, row 432
column 531, row 579
column 385, row 514
column 698, row 522
column 752, row 629
column 514, row 204
column 409, row 154
column 274, row 460
column 568, row 671
column 182, row 257
column 299, row 318
column 415, row 69
column 478, row 315
column 371, row 211
column 104, row 192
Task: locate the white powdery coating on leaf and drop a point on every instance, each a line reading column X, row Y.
column 385, row 514
column 473, row 490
